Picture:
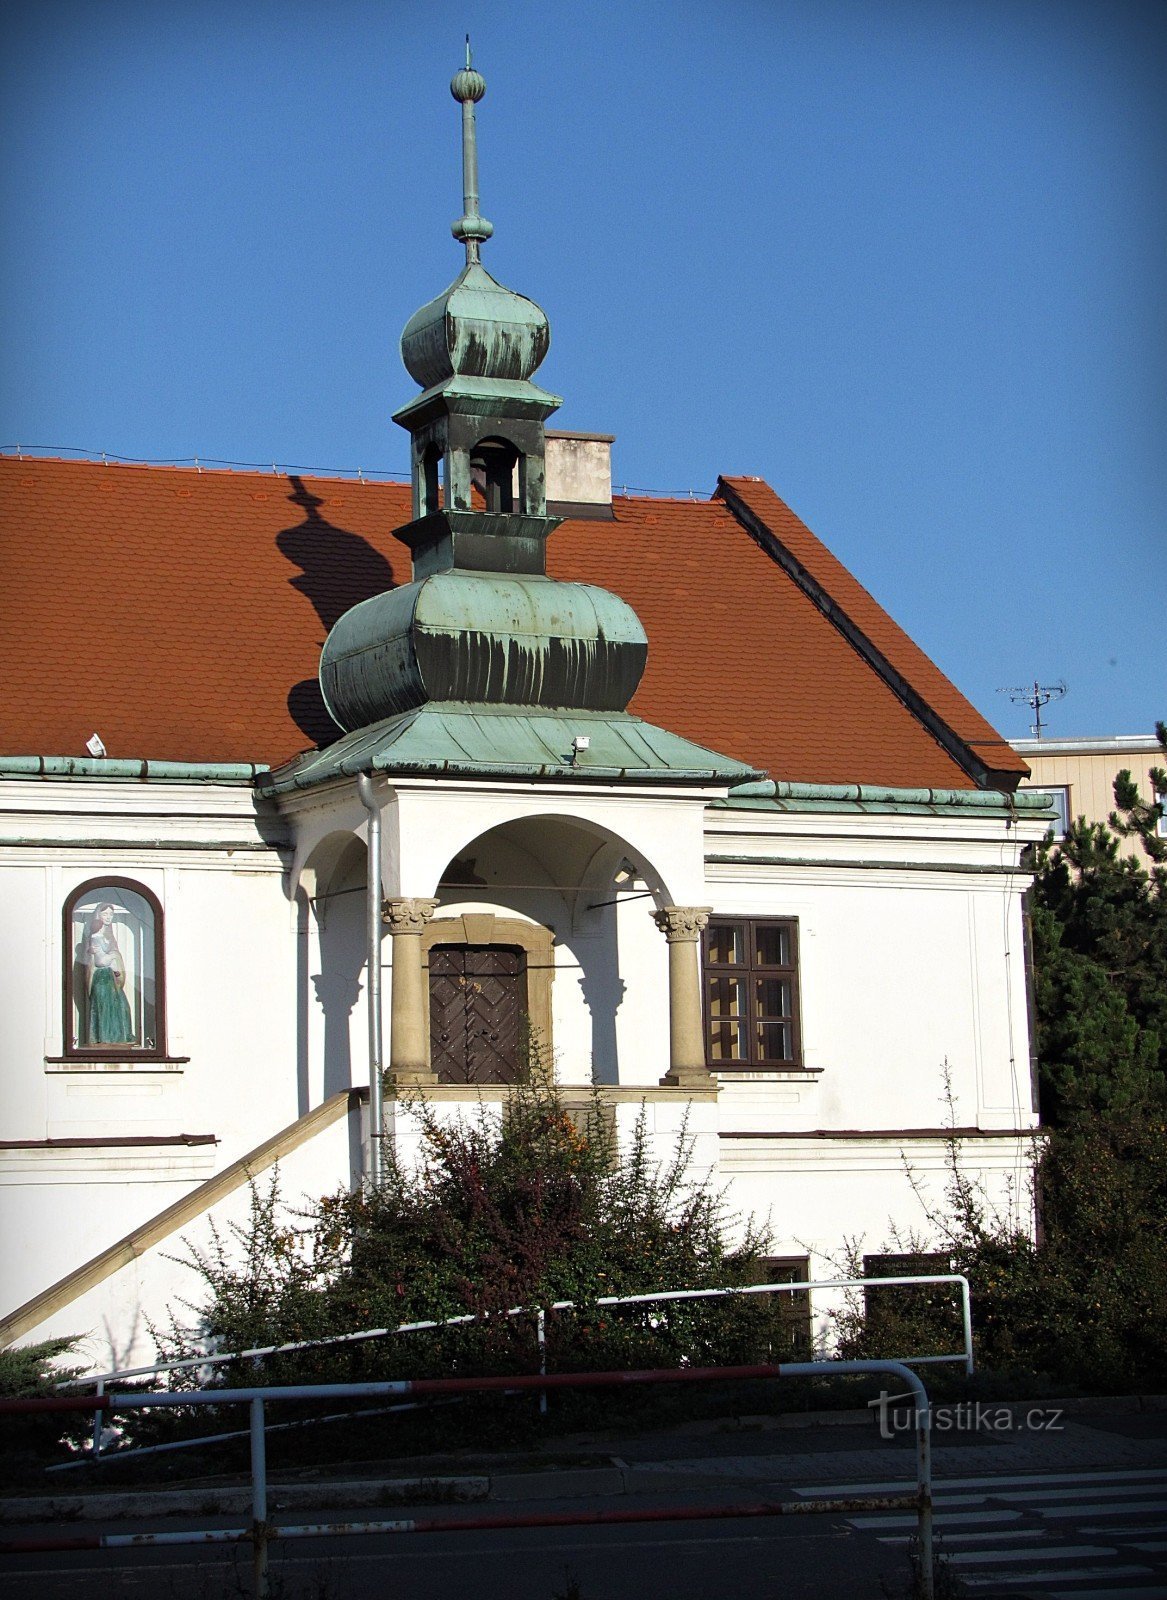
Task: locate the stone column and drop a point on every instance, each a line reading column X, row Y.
column 682, row 927
column 408, row 1057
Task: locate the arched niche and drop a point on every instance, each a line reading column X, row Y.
column 335, row 878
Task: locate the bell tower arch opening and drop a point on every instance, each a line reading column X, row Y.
column 495, row 473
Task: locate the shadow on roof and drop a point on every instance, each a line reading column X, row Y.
column 338, row 569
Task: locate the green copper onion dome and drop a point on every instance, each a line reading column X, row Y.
column 475, row 329
column 481, row 623
column 483, row 638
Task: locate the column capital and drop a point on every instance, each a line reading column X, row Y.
column 682, row 924
column 407, row 916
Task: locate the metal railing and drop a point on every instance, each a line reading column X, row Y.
column 662, row 1296
column 261, row 1532
column 293, row 1347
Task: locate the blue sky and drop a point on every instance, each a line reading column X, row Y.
column 904, row 260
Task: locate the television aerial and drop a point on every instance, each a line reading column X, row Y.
column 1035, row 695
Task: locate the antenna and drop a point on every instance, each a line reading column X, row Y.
column 1035, row 695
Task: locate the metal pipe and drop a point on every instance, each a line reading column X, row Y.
column 374, row 1165
column 923, row 1421
column 98, row 1424
column 512, row 1384
column 661, row 1295
column 108, row 768
column 966, row 1320
column 541, row 1339
column 259, row 1528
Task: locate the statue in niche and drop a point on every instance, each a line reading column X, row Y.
column 109, row 1017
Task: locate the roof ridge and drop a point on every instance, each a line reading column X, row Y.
column 969, row 738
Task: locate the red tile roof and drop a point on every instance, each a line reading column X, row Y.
column 180, row 615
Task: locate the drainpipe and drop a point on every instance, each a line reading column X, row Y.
column 374, row 1165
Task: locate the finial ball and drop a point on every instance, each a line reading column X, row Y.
column 466, row 84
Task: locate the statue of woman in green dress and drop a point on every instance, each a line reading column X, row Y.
column 110, row 1021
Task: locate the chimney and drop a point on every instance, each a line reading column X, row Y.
column 579, row 474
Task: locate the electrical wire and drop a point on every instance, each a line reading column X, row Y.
column 282, row 467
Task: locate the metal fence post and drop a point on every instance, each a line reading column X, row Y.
column 924, row 1480
column 541, row 1336
column 259, row 1500
column 98, row 1421
column 966, row 1319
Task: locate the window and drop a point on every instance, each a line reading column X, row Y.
column 923, row 1317
column 751, row 993
column 790, row 1324
column 1061, row 803
column 113, row 989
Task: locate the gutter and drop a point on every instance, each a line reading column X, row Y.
column 141, row 771
column 1029, row 802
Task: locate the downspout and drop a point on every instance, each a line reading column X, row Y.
column 374, row 1165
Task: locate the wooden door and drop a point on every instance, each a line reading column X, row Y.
column 478, row 996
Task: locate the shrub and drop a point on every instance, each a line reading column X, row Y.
column 523, row 1210
column 1082, row 1306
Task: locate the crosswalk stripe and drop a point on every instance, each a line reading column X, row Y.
column 1125, row 1593
column 1071, row 1574
column 967, row 1538
column 1132, row 1508
column 909, row 1519
column 1019, row 1480
column 1100, row 1491
column 1124, row 1530
column 1046, row 1553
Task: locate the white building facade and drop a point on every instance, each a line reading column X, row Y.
column 787, row 950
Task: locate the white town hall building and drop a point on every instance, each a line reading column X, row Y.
column 653, row 782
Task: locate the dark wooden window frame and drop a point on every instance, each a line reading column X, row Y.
column 747, row 971
column 794, row 1309
column 124, row 1051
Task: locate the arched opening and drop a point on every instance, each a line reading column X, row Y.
column 494, row 470
column 527, row 902
column 336, row 962
column 429, row 480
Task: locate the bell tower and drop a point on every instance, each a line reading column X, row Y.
column 478, row 424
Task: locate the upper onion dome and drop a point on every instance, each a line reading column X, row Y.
column 475, row 329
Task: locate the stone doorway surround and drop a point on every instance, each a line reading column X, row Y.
column 486, row 928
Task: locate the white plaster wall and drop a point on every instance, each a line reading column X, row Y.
column 24, row 956
column 911, row 956
column 910, row 945
column 816, row 1193
column 112, row 1318
column 828, row 1199
column 642, row 1018
column 231, row 978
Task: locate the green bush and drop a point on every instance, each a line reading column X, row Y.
column 1081, row 1306
column 525, row 1209
column 29, row 1372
